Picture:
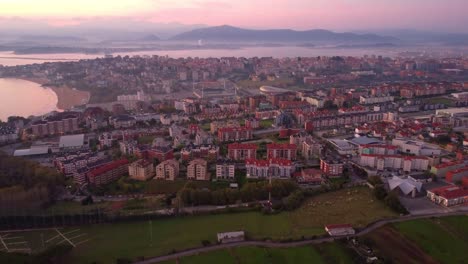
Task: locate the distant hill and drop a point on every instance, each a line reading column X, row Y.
column 150, row 37
column 42, row 38
column 229, row 33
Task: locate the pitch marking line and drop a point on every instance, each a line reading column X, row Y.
column 64, row 237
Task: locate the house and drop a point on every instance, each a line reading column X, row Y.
column 141, row 170
column 167, row 170
column 340, row 230
column 231, row 237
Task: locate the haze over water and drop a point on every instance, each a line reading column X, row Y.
column 8, row 58
column 24, row 98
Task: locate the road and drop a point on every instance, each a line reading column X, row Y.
column 364, row 231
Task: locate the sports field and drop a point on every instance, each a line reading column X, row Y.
column 108, row 242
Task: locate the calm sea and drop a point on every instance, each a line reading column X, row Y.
column 24, row 98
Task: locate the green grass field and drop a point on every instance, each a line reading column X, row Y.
column 323, row 253
column 440, row 100
column 169, row 187
column 443, row 239
column 146, row 139
column 107, row 242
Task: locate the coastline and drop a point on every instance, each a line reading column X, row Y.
column 67, row 97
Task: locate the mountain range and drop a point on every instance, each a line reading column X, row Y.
column 230, row 33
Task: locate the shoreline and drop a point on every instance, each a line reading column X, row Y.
column 67, row 97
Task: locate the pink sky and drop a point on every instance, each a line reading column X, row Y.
column 297, row 14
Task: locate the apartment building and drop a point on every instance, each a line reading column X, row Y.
column 227, row 134
column 167, row 170
column 197, row 170
column 238, row 151
column 141, row 170
column 108, row 173
column 332, row 167
column 405, row 163
column 225, row 171
column 282, row 151
column 275, row 168
column 59, row 124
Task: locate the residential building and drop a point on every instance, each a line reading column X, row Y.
column 122, row 121
column 197, row 170
column 167, row 170
column 282, row 151
column 332, row 167
column 209, row 152
column 108, row 173
column 225, row 171
column 275, row 168
column 366, row 100
column 440, row 170
column 396, row 162
column 455, row 176
column 226, row 134
column 141, row 170
column 238, row 151
column 58, row 124
column 8, row 134
column 252, row 123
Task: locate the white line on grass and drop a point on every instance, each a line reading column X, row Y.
column 64, row 237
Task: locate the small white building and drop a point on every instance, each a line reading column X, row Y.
column 340, row 230
column 231, row 237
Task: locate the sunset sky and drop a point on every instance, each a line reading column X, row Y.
column 448, row 15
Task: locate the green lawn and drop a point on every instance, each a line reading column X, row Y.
column 324, row 253
column 356, row 206
column 64, row 207
column 440, row 100
column 146, row 139
column 107, row 242
column 436, row 239
column 267, row 123
column 169, row 187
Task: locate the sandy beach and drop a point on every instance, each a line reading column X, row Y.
column 67, row 97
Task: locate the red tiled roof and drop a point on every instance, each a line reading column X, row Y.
column 448, row 164
column 281, row 146
column 107, row 167
column 242, row 146
column 450, row 192
column 338, row 226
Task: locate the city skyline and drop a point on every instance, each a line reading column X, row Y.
column 338, row 15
